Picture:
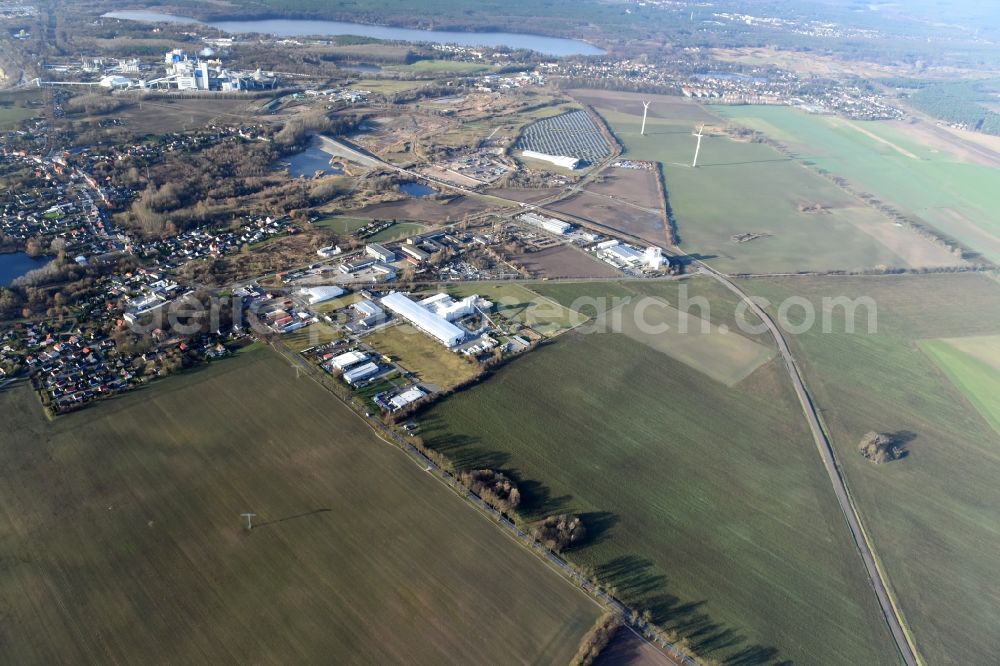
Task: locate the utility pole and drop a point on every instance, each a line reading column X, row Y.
column 645, row 108
column 249, row 516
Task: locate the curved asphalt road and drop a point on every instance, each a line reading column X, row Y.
column 889, row 610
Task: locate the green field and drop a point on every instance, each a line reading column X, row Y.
column 342, row 224
column 973, row 365
column 121, row 539
column 933, row 514
column 398, row 231
column 742, row 187
column 706, row 504
column 12, row 109
column 315, row 334
column 958, row 198
column 422, row 355
column 518, row 303
column 387, row 86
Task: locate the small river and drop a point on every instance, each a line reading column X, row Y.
column 552, row 46
column 13, row 266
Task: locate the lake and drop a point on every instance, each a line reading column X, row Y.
column 13, row 266
column 553, row 46
column 416, row 190
column 311, row 160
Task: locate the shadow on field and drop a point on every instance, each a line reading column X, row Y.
column 637, row 580
column 719, row 164
column 286, row 518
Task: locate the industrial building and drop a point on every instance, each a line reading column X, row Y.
column 361, row 372
column 550, row 224
column 563, row 161
column 185, row 73
column 428, row 321
column 315, row 295
column 380, row 253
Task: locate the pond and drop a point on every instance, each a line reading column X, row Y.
column 416, row 190
column 360, row 67
column 311, row 160
column 13, row 266
column 552, row 46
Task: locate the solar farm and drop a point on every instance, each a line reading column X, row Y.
column 572, row 134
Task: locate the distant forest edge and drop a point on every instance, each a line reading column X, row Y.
column 958, row 102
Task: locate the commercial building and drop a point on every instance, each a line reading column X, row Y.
column 559, row 160
column 424, row 319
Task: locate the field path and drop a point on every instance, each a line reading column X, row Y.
column 875, row 573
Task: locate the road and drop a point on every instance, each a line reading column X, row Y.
column 875, row 575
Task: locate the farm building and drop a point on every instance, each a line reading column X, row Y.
column 314, row 295
column 380, row 253
column 361, row 372
column 346, row 360
column 563, row 161
column 424, row 319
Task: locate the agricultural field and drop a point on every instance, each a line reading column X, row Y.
column 973, row 365
column 608, row 211
column 355, row 550
column 518, row 303
column 933, row 514
column 939, row 185
column 804, row 222
column 564, row 261
column 428, row 359
column 705, row 503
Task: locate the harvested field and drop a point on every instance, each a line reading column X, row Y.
column 708, row 503
column 606, row 211
column 565, row 261
column 432, row 211
column 122, row 541
column 933, row 514
column 973, row 365
column 526, row 195
column 805, row 221
column 635, row 186
column 722, row 354
column 519, row 303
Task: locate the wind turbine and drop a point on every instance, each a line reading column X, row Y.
column 645, row 108
column 249, row 517
column 697, row 148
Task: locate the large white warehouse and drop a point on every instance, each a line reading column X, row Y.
column 563, row 161
column 427, row 321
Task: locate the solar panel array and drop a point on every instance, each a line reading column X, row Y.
column 572, row 134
